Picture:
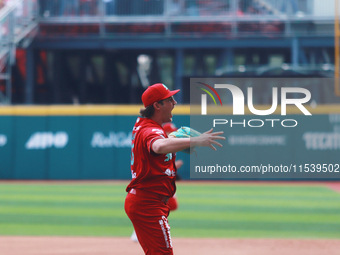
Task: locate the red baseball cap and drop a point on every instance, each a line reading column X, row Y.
column 155, row 93
column 169, row 127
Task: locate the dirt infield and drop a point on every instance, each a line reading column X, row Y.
column 334, row 186
column 14, row 245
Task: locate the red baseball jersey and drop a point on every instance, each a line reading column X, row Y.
column 150, row 171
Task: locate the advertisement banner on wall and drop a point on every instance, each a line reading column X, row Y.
column 65, row 147
column 106, row 147
column 6, row 145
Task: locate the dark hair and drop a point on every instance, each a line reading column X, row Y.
column 148, row 111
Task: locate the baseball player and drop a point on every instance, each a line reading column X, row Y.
column 172, row 203
column 154, row 171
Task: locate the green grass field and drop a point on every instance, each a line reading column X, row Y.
column 205, row 210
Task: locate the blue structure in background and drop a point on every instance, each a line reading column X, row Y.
column 92, row 47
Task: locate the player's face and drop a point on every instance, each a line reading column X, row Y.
column 168, row 104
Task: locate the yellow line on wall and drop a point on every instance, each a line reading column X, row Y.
column 92, row 110
column 70, row 110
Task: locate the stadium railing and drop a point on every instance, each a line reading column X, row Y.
column 18, row 25
column 186, row 17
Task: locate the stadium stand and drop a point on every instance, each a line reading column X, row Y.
column 91, row 51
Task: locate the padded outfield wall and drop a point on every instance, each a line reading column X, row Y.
column 93, row 142
column 69, row 142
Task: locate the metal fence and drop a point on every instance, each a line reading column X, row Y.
column 235, row 18
column 227, row 18
column 178, row 17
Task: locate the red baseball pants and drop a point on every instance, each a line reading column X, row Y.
column 149, row 218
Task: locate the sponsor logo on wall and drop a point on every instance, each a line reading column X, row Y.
column 114, row 139
column 44, row 140
column 322, row 140
column 257, row 140
column 3, row 140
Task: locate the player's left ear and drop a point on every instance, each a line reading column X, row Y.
column 156, row 105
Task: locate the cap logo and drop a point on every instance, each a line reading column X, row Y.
column 165, row 87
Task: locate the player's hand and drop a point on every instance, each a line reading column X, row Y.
column 207, row 139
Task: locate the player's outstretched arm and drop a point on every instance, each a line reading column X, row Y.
column 171, row 145
column 207, row 139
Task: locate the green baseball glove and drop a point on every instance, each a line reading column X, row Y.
column 186, row 132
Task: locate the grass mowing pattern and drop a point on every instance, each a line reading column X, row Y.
column 269, row 211
column 205, row 210
column 63, row 210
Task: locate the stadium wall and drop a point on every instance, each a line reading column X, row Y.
column 67, row 143
column 93, row 142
